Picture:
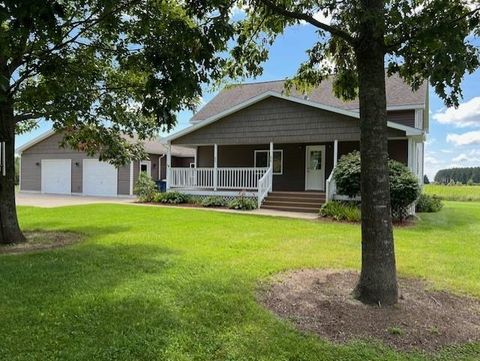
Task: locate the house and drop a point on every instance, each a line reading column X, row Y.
column 282, row 148
column 48, row 168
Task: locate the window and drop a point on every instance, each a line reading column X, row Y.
column 262, row 160
column 146, row 166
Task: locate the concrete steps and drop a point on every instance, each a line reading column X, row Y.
column 306, row 202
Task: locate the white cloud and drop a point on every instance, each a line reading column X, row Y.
column 471, row 157
column 461, row 158
column 430, row 160
column 467, row 114
column 469, row 138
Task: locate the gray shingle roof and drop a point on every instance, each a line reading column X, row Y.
column 398, row 94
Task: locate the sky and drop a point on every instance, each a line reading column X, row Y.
column 454, row 137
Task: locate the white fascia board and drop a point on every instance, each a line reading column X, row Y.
column 34, row 141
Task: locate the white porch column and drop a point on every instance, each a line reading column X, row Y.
column 215, row 166
column 271, row 166
column 335, row 153
column 169, row 165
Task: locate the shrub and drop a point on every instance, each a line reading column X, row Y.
column 428, row 204
column 213, row 201
column 242, row 203
column 172, row 198
column 145, row 188
column 341, row 211
column 404, row 187
column 347, row 174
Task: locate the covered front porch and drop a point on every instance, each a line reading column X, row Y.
column 259, row 169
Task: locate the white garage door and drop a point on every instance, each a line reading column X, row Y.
column 99, row 178
column 56, row 176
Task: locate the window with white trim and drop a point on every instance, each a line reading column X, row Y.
column 146, row 166
column 262, row 160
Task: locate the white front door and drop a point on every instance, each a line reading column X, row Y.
column 56, row 176
column 315, row 168
column 99, row 178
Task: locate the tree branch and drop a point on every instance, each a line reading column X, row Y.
column 419, row 31
column 310, row 19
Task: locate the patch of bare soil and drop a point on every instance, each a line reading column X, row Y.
column 320, row 301
column 41, row 240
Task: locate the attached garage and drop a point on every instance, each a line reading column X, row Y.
column 99, row 178
column 56, row 176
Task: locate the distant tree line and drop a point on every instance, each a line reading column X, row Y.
column 458, row 175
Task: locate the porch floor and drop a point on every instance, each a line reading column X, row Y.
column 305, row 202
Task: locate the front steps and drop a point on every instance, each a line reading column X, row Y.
column 306, row 202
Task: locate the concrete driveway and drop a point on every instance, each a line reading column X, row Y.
column 53, row 200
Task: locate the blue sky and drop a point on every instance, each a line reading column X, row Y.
column 454, row 138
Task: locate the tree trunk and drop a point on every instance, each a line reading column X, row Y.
column 378, row 279
column 9, row 228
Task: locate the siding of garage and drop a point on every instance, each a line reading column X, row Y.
column 49, row 149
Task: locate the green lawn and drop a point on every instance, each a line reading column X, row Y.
column 454, row 193
column 176, row 284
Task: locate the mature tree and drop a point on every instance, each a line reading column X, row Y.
column 421, row 40
column 426, row 180
column 100, row 68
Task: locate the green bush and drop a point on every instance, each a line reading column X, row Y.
column 341, row 211
column 145, row 188
column 404, row 187
column 428, row 204
column 347, row 174
column 242, row 203
column 172, row 198
column 213, row 201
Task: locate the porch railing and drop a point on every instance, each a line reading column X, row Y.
column 223, row 178
column 264, row 186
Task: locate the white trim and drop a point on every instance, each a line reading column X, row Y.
column 131, row 179
column 195, row 192
column 215, row 166
column 324, row 161
column 335, row 153
column 258, row 98
column 19, row 173
column 34, row 141
column 148, row 163
column 268, row 153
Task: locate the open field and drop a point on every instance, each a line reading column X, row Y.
column 153, row 283
column 454, row 193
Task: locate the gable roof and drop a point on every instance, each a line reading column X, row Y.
column 352, row 114
column 399, row 96
column 152, row 146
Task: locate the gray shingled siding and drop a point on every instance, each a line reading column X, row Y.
column 404, row 117
column 293, row 177
column 280, row 121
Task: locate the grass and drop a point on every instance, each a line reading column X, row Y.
column 462, row 193
column 177, row 284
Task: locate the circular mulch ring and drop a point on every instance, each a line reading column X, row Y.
column 320, row 301
column 41, row 240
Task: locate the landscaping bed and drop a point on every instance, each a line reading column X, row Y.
column 41, row 240
column 321, row 301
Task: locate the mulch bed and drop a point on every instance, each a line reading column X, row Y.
column 41, row 240
column 320, row 301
